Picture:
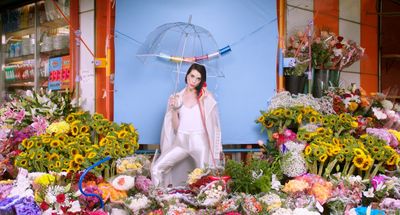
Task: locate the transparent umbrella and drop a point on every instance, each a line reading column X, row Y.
column 180, row 44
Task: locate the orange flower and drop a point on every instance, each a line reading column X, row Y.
column 109, row 192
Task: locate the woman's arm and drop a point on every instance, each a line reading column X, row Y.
column 174, row 109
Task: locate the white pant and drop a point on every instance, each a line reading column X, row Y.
column 186, row 145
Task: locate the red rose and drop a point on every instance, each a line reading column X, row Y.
column 340, row 38
column 60, row 198
column 338, row 45
column 44, row 206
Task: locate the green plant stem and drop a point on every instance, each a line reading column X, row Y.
column 346, row 167
column 315, row 167
column 376, row 169
column 321, row 168
column 329, row 168
column 351, row 170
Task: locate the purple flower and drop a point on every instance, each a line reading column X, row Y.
column 377, row 180
column 27, row 207
column 142, row 183
column 6, row 205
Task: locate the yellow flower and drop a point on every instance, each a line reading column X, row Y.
column 323, row 158
column 106, row 153
column 320, row 130
column 269, row 124
column 22, row 162
column 261, row 119
column 70, row 118
column 313, row 119
column 122, row 134
column 58, row 127
column 92, row 155
column 367, row 163
column 24, row 142
column 308, row 150
column 335, row 150
column 75, row 130
column 74, row 151
column 392, row 160
column 354, row 124
column 288, row 113
column 54, row 157
column 103, row 142
column 335, row 141
column 98, row 116
column 84, row 129
column 359, row 160
column 340, row 157
column 299, row 118
column 55, row 143
column 78, row 158
column 45, row 180
column 358, row 152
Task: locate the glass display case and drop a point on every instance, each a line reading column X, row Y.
column 35, row 47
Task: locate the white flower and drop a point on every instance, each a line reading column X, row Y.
column 369, row 193
column 293, row 164
column 138, row 202
column 304, row 211
column 282, row 211
column 275, row 183
column 387, row 105
column 355, row 179
column 378, row 113
column 49, row 211
column 117, row 211
column 75, row 207
column 123, row 182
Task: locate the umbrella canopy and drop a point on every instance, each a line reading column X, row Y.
column 180, row 44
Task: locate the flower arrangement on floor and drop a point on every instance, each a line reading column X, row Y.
column 76, row 143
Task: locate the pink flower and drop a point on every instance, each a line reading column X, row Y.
column 377, row 180
column 232, row 213
column 20, row 116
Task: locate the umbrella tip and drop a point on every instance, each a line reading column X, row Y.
column 190, row 19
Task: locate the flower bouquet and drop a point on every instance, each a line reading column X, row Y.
column 77, row 143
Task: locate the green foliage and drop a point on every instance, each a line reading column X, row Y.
column 254, row 177
column 321, row 56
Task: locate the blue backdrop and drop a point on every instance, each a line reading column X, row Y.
column 142, row 90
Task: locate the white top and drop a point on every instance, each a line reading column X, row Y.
column 190, row 120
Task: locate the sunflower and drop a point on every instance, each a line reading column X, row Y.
column 359, row 160
column 336, row 141
column 323, row 158
column 70, row 118
column 320, row 130
column 122, row 134
column 318, row 151
column 313, row 119
column 24, row 143
column 392, row 160
column 78, row 158
column 74, row 151
column 277, row 112
column 299, row 118
column 308, row 150
column 74, row 166
column 335, row 150
column 98, row 116
column 46, row 139
column 358, row 152
column 261, row 119
column 57, row 164
column 268, row 124
column 123, row 153
column 367, row 163
column 31, row 154
column 340, row 157
column 39, row 156
column 84, row 129
column 288, row 113
column 106, row 153
column 30, row 144
column 74, row 130
column 100, row 167
column 54, row 157
column 91, row 155
column 55, row 143
column 22, row 163
column 379, row 156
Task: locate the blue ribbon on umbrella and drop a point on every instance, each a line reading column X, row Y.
column 83, row 177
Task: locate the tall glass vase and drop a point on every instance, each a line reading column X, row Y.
column 323, row 79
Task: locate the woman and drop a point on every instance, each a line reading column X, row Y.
column 191, row 134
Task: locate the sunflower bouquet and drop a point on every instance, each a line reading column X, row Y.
column 76, row 143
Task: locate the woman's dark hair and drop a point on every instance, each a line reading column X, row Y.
column 202, row 70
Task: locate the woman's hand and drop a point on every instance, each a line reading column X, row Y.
column 173, row 103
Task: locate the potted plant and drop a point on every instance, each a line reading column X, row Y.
column 296, row 63
column 330, row 54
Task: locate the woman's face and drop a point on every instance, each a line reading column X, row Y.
column 193, row 79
